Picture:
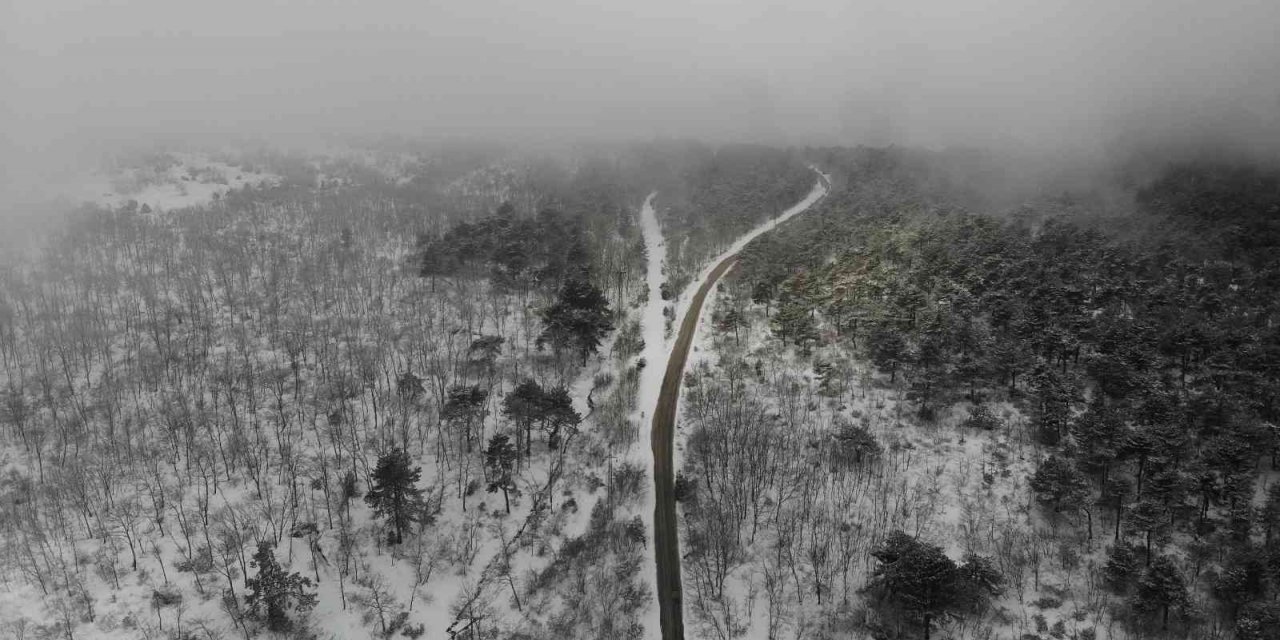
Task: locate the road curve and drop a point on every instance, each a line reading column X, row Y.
column 665, row 527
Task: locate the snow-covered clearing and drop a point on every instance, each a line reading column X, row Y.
column 191, row 180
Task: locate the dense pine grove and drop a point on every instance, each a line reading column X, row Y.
column 1148, row 366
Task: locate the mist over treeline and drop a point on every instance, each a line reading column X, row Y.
column 1052, row 88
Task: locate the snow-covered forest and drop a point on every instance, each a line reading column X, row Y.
column 918, row 413
column 400, row 384
column 406, row 391
column 664, row 320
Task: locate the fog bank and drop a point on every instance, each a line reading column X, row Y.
column 81, row 76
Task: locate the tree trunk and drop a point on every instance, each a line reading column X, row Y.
column 1119, row 507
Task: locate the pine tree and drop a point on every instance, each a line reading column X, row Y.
column 1059, row 483
column 853, row 444
column 274, row 589
column 732, row 320
column 794, row 323
column 1162, row 588
column 465, row 409
column 499, row 461
column 918, row 577
column 394, row 494
column 1151, row 518
column 889, row 350
column 1258, row 621
column 1242, row 579
column 924, row 583
column 558, row 415
column 577, row 320
column 525, row 406
column 1100, row 433
column 1114, row 494
column 979, row 579
column 983, row 418
column 1122, row 566
column 1051, row 404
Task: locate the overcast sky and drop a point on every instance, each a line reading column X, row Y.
column 933, row 72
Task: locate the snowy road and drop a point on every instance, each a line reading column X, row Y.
column 667, row 391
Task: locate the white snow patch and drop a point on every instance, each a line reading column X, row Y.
column 193, row 180
column 653, row 330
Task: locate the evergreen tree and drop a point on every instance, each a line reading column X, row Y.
column 275, row 590
column 983, row 418
column 919, row 579
column 1258, row 621
column 794, row 323
column 1051, row 404
column 1123, row 566
column 525, row 405
column 499, row 461
column 1242, row 579
column 733, row 319
column 1162, row 588
column 1151, row 518
column 465, row 409
column 1059, row 483
column 979, row 580
column 762, row 292
column 1170, row 487
column 888, row 349
column 394, row 494
column 577, row 320
column 558, row 415
column 1114, row 494
column 1099, row 432
column 853, row 444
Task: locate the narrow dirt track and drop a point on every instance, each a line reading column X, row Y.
column 666, row 543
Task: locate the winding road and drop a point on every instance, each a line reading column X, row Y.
column 665, row 529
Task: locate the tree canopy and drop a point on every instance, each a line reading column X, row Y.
column 395, row 494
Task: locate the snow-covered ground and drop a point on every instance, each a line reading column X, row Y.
column 656, row 349
column 126, row 613
column 192, row 180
